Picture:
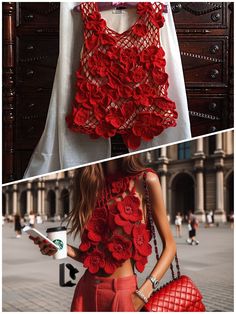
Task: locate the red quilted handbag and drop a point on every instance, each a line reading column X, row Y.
column 178, row 295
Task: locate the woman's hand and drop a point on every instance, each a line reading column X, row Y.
column 137, row 302
column 45, row 247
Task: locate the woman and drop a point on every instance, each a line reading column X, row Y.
column 110, row 215
column 178, row 225
column 17, row 225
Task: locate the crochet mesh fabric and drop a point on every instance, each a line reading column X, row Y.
column 121, row 82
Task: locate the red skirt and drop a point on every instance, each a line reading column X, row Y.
column 101, row 294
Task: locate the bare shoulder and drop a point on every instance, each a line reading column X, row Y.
column 152, row 177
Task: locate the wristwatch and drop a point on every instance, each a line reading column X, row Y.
column 154, row 281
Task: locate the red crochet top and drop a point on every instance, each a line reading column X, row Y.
column 117, row 230
column 121, row 82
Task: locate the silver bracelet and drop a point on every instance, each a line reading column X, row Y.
column 141, row 296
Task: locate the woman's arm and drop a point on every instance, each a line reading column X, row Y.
column 163, row 227
column 74, row 253
column 47, row 249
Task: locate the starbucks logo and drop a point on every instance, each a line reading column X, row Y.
column 58, row 243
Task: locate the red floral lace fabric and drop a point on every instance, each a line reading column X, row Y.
column 121, row 82
column 116, row 232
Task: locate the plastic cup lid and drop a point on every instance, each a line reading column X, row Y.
column 55, row 229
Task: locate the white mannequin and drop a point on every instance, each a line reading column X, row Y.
column 59, row 148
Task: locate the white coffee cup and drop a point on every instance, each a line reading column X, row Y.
column 58, row 236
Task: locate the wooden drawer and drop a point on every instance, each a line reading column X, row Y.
column 33, row 15
column 205, row 61
column 35, row 75
column 207, row 113
column 199, row 14
column 37, row 50
column 28, row 131
column 31, row 106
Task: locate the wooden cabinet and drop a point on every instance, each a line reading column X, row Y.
column 205, row 34
column 30, row 52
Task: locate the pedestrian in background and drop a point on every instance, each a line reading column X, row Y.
column 192, row 232
column 231, row 219
column 178, row 225
column 17, row 225
column 31, row 219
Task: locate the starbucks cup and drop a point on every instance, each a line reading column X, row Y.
column 58, row 236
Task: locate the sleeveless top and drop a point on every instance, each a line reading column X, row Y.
column 117, row 230
column 121, row 82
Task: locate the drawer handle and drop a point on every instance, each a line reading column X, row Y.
column 212, row 106
column 30, row 47
column 29, row 17
column 30, row 73
column 213, row 128
column 176, row 8
column 215, row 17
column 203, row 115
column 214, row 73
column 31, row 105
column 214, row 49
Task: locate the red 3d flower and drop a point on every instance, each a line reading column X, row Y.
column 143, row 7
column 148, row 125
column 140, row 261
column 159, row 77
column 140, row 29
column 120, row 247
column 166, row 104
column 94, row 261
column 100, row 212
column 94, row 22
column 105, row 129
column 129, row 56
column 127, row 109
column 80, row 116
column 141, row 238
column 125, row 224
column 115, row 118
column 91, row 42
column 131, row 140
column 139, row 74
column 129, row 208
column 158, row 19
column 120, row 185
column 96, row 229
column 85, row 242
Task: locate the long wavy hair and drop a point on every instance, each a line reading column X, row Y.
column 88, row 181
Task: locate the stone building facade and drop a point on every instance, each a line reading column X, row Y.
column 196, row 175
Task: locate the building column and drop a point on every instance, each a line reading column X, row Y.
column 58, row 202
column 43, row 200
column 219, row 142
column 198, row 158
column 199, row 192
column 15, row 199
column 39, row 198
column 29, row 198
column 219, row 213
column 162, row 171
column 199, row 145
column 163, row 152
column 7, row 202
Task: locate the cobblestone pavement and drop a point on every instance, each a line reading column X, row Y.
column 31, row 280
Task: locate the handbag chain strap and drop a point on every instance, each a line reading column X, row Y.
column 152, row 228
